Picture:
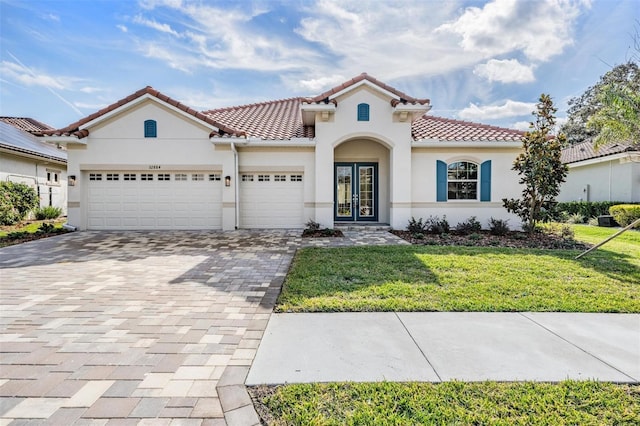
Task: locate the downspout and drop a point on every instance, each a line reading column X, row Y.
column 236, row 186
column 610, row 173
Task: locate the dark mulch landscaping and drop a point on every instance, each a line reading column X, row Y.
column 537, row 240
column 321, row 233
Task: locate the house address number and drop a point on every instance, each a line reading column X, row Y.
column 154, row 167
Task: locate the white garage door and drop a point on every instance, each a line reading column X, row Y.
column 145, row 200
column 271, row 200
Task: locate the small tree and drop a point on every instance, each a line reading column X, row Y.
column 539, row 166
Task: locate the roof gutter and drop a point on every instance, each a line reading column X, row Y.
column 293, row 142
column 436, row 143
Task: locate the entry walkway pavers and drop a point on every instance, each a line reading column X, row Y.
column 441, row 346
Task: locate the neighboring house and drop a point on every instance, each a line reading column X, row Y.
column 27, row 159
column 362, row 152
column 610, row 173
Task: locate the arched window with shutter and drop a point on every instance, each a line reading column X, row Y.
column 150, row 129
column 363, row 112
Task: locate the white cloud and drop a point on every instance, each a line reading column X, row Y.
column 521, row 125
column 317, row 85
column 122, row 28
column 163, row 28
column 19, row 73
column 491, row 112
column 505, row 71
column 539, row 29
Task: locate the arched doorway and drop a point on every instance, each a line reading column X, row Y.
column 361, row 181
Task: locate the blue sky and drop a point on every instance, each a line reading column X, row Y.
column 483, row 61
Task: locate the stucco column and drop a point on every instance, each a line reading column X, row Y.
column 324, row 184
column 400, row 209
column 229, row 202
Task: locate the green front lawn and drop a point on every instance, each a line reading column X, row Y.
column 565, row 403
column 432, row 278
column 28, row 231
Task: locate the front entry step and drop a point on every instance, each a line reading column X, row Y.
column 362, row 227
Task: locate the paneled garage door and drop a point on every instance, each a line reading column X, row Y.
column 144, row 200
column 271, row 200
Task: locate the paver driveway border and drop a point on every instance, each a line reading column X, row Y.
column 140, row 327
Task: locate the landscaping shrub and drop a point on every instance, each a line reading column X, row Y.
column 584, row 208
column 625, row 214
column 575, row 218
column 16, row 200
column 435, row 225
column 46, row 228
column 48, row 212
column 560, row 229
column 593, row 221
column 469, row 226
column 498, row 226
column 416, row 226
column 312, row 226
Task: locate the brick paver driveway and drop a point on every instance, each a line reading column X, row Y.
column 136, row 327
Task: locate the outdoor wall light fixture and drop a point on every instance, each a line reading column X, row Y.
column 72, row 180
column 227, row 181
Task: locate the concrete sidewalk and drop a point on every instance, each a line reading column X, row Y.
column 441, row 346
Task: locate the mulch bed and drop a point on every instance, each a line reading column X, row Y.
column 537, row 240
column 322, row 233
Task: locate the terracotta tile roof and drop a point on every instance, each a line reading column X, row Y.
column 446, row 129
column 25, row 123
column 22, row 142
column 275, row 120
column 74, row 128
column 585, row 151
column 404, row 98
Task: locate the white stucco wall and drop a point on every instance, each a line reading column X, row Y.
column 33, row 172
column 504, row 184
column 602, row 180
column 389, row 134
column 118, row 143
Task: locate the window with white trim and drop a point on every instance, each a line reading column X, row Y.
column 95, row 176
column 296, row 178
column 215, row 177
column 280, row 178
column 247, row 178
column 129, row 176
column 180, row 176
column 164, row 176
column 146, row 176
column 462, row 181
column 264, row 178
column 53, row 177
column 197, row 176
column 113, row 176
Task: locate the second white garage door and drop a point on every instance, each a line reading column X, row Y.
column 143, row 200
column 271, row 200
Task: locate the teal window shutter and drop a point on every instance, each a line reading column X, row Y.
column 441, row 180
column 485, row 181
column 150, row 129
column 363, row 112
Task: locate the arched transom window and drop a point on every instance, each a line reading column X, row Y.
column 462, row 181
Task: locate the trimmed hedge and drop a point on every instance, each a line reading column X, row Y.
column 586, row 209
column 625, row 214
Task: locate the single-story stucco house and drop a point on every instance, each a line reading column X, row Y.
column 27, row 159
column 362, row 152
column 610, row 173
